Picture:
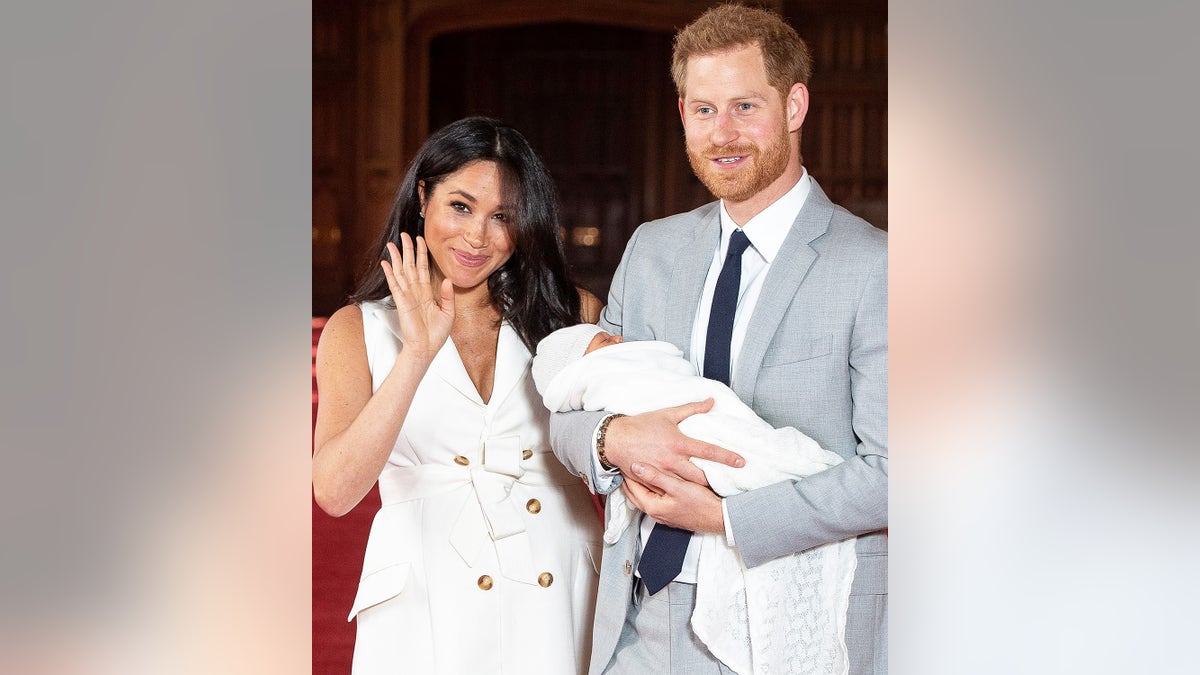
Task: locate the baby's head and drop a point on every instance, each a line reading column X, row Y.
column 602, row 339
column 565, row 346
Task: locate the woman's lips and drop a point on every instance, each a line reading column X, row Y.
column 467, row 260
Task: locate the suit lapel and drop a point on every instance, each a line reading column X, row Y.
column 687, row 281
column 783, row 280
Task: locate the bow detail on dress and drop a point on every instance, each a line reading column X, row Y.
column 489, row 513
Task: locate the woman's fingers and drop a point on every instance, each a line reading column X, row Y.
column 394, row 280
column 447, row 303
column 408, row 273
column 422, row 261
column 406, row 245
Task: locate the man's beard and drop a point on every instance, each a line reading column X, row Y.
column 764, row 165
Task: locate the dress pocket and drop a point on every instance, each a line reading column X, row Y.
column 593, row 554
column 382, row 584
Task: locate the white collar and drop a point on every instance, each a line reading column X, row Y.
column 767, row 230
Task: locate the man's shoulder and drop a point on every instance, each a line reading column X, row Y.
column 847, row 230
column 838, row 228
column 671, row 227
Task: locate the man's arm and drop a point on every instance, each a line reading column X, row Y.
column 850, row 498
column 652, row 437
column 572, row 434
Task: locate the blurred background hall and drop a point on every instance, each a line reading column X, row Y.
column 588, row 83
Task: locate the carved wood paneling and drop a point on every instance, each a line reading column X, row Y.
column 575, row 91
column 334, row 132
column 844, row 142
column 380, row 58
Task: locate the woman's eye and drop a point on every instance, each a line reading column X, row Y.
column 501, row 216
column 460, row 207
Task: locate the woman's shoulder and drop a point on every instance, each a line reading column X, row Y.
column 346, row 317
column 342, row 336
column 345, row 324
column 589, row 306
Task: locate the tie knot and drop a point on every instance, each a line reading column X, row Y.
column 737, row 244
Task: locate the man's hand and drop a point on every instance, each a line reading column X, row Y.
column 654, row 438
column 674, row 502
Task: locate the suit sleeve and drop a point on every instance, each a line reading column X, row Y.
column 571, row 433
column 846, row 500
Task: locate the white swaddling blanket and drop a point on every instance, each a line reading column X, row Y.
column 784, row 616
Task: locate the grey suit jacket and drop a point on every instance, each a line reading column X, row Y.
column 815, row 357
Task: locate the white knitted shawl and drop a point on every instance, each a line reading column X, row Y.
column 785, row 616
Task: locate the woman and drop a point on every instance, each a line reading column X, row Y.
column 484, row 555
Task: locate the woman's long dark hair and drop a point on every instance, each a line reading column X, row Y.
column 531, row 289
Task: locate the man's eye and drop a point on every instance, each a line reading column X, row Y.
column 745, row 106
column 705, row 110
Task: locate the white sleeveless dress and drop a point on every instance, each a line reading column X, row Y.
column 484, row 556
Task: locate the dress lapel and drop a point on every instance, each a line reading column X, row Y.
column 448, row 365
column 512, row 362
column 783, row 280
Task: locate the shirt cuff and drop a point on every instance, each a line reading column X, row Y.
column 604, row 477
column 728, row 525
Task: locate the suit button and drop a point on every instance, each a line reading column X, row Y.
column 526, row 454
column 545, row 579
column 628, row 567
column 461, row 461
column 485, row 583
column 533, row 506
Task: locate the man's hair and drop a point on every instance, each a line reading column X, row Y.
column 726, row 27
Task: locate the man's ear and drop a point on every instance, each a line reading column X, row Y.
column 681, row 111
column 797, row 106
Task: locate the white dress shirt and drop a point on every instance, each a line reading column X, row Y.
column 766, row 232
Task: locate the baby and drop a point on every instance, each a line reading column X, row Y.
column 739, row 612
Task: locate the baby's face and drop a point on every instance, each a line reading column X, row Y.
column 602, row 339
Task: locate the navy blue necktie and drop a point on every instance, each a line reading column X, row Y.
column 662, row 557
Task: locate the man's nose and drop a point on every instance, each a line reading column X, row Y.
column 724, row 129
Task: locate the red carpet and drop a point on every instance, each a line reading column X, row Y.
column 337, row 553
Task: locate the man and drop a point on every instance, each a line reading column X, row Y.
column 794, row 318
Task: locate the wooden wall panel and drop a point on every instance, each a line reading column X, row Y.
column 844, row 142
column 334, row 150
column 574, row 90
column 619, row 162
